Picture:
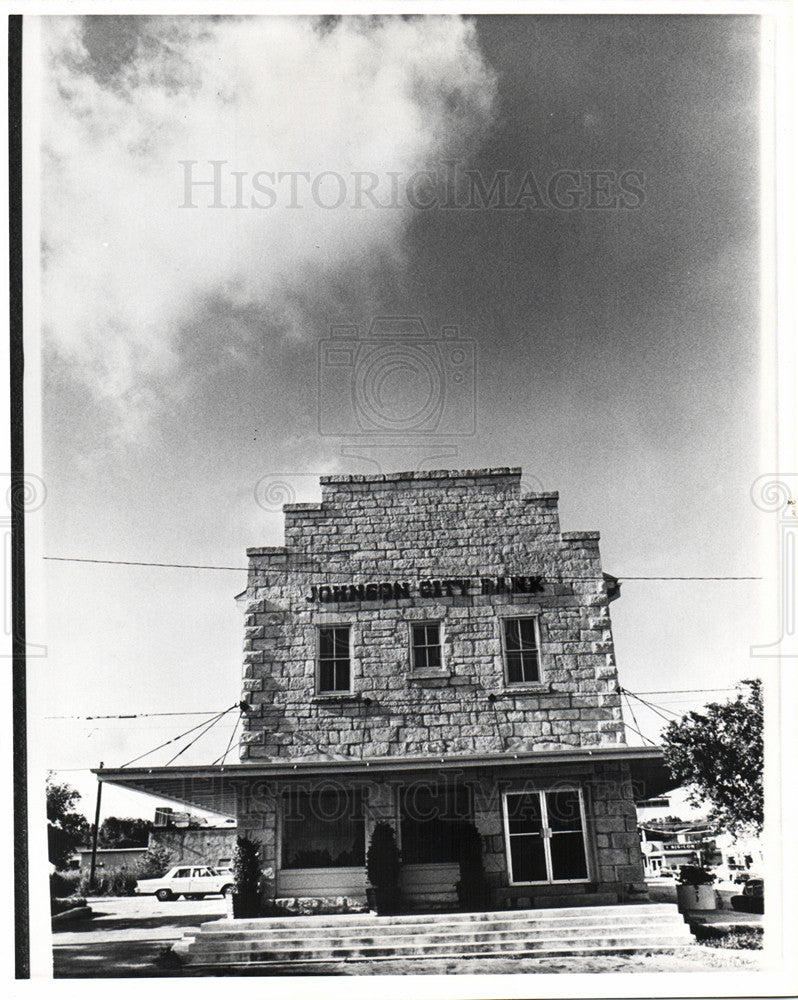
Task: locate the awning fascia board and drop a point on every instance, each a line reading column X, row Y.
column 202, row 785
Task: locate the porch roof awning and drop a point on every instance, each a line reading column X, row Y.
column 214, row 787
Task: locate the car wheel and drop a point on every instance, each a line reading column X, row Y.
column 227, row 891
column 163, row 895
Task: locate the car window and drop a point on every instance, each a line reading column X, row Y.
column 182, row 873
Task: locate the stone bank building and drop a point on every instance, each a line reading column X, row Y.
column 428, row 648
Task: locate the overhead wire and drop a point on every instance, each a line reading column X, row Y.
column 308, row 740
column 142, row 715
column 173, row 740
column 230, row 743
column 294, row 570
column 207, row 729
column 634, row 719
column 650, row 706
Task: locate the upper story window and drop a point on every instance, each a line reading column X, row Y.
column 425, row 646
column 334, row 672
column 521, row 650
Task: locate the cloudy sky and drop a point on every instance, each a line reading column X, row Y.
column 577, row 196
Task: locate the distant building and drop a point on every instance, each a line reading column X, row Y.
column 202, row 845
column 740, row 854
column 668, row 846
column 656, row 808
column 166, row 816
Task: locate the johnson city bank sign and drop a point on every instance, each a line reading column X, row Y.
column 393, row 590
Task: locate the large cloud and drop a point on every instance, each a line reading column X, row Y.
column 127, row 270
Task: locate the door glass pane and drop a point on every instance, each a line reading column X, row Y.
column 567, row 843
column 567, row 856
column 563, row 809
column 528, row 858
column 523, row 813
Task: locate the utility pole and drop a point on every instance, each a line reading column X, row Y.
column 96, row 831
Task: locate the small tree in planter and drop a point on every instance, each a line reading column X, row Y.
column 382, row 870
column 246, row 879
column 694, row 889
column 472, row 889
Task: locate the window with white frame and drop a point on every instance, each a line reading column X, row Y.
column 425, row 646
column 521, row 647
column 545, row 836
column 334, row 661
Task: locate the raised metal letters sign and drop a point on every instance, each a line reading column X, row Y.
column 341, row 593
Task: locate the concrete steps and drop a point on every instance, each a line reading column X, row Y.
column 542, row 933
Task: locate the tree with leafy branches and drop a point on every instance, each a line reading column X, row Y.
column 66, row 828
column 124, row 831
column 718, row 754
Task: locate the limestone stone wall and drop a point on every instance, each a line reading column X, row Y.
column 406, row 528
column 614, row 858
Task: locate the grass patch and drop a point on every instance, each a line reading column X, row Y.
column 742, row 939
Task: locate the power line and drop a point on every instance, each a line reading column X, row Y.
column 174, row 738
column 634, row 718
column 207, row 729
column 138, row 715
column 688, row 691
column 321, row 573
column 135, row 562
column 401, row 701
column 644, row 738
column 650, row 706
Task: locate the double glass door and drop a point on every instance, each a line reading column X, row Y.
column 545, row 834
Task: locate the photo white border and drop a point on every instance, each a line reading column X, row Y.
column 778, row 260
